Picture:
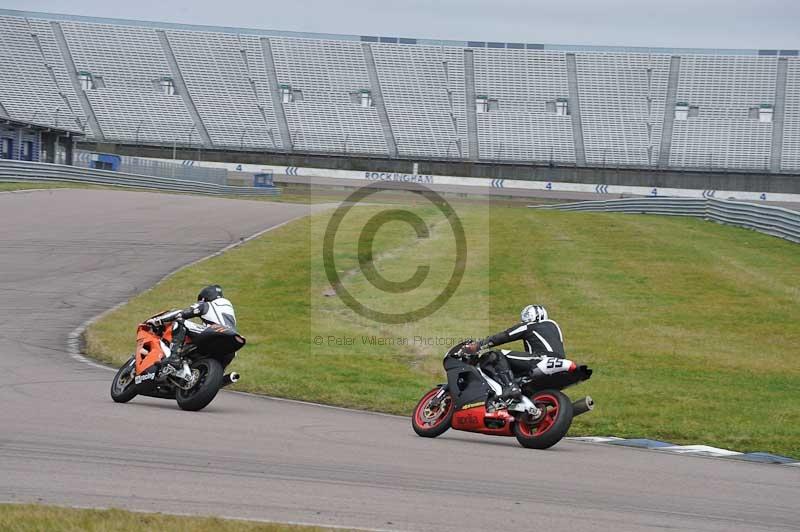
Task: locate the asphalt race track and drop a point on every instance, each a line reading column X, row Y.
column 67, row 255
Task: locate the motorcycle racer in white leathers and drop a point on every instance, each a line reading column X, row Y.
column 211, row 308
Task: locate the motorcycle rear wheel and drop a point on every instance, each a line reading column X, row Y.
column 553, row 426
column 430, row 420
column 123, row 388
column 208, row 384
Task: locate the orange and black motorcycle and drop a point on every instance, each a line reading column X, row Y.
column 195, row 380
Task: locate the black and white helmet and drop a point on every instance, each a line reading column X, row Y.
column 533, row 314
column 217, row 309
column 210, row 293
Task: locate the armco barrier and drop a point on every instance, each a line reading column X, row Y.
column 28, row 171
column 489, row 186
column 775, row 221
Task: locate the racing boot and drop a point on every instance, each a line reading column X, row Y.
column 174, row 361
column 174, row 358
column 511, row 389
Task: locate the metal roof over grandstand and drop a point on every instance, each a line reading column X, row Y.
column 65, row 132
column 397, row 40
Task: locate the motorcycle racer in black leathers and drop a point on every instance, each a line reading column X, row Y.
column 211, row 307
column 540, row 335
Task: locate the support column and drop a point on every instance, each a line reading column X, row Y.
column 472, row 115
column 19, row 145
column 669, row 111
column 377, row 97
column 275, row 94
column 66, row 55
column 183, row 90
column 69, row 144
column 778, row 114
column 575, row 110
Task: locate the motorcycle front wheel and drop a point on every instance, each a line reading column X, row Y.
column 123, row 388
column 209, row 381
column 430, row 418
column 551, row 426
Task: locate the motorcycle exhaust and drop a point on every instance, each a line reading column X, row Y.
column 581, row 406
column 230, row 378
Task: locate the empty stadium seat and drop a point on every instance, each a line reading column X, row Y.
column 168, row 84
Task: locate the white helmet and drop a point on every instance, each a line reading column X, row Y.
column 533, row 314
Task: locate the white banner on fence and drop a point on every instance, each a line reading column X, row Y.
column 508, row 185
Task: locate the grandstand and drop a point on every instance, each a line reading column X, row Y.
column 158, row 84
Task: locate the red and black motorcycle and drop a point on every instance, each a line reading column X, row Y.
column 470, row 401
column 207, row 351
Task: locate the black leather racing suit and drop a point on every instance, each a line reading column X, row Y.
column 541, row 338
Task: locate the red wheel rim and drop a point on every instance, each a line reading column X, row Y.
column 550, row 405
column 429, row 418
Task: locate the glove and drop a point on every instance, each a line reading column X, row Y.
column 154, row 323
column 472, row 348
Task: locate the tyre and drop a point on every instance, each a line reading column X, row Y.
column 123, row 388
column 551, row 427
column 429, row 419
column 209, row 381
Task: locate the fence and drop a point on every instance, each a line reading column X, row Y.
column 775, row 221
column 159, row 168
column 27, row 171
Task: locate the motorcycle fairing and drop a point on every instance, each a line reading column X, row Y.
column 470, row 388
column 466, row 383
column 216, row 340
column 553, row 365
column 477, row 419
column 546, row 371
column 493, row 384
column 150, row 348
column 560, row 378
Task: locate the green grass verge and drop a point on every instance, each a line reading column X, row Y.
column 19, row 185
column 294, row 197
column 37, row 518
column 692, row 327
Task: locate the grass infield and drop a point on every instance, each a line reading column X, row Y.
column 691, row 327
column 6, row 186
column 38, row 518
